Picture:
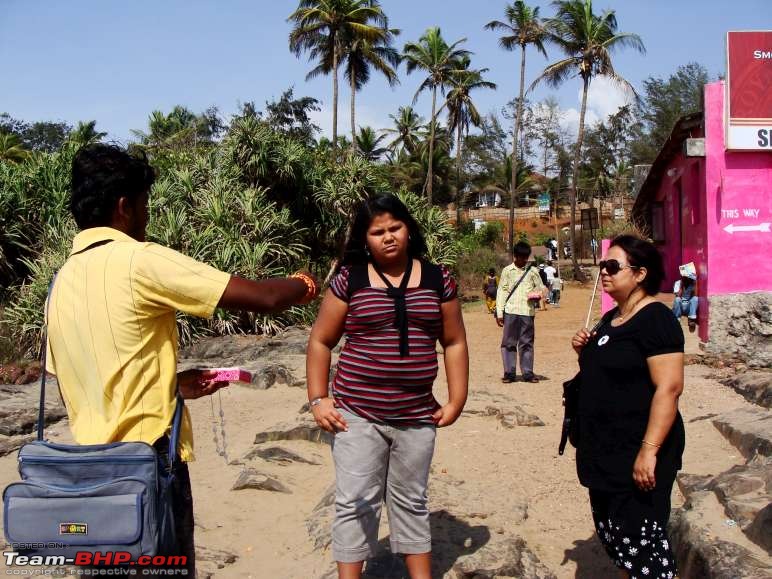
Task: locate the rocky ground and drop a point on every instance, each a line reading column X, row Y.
column 503, row 503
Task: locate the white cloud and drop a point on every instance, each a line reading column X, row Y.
column 604, row 98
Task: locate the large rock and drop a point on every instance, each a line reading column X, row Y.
column 748, row 429
column 755, row 387
column 237, row 350
column 743, row 329
column 19, row 412
column 745, row 493
column 700, row 550
column 509, row 417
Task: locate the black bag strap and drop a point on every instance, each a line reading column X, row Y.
column 174, row 436
column 522, row 277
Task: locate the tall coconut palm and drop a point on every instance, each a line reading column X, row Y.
column 439, row 60
column 322, row 28
column 522, row 28
column 461, row 113
column 11, row 148
column 368, row 144
column 406, row 131
column 587, row 40
column 364, row 55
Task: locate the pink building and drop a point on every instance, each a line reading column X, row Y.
column 712, row 206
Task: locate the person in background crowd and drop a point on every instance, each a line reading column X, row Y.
column 112, row 335
column 393, row 306
column 489, row 287
column 556, row 288
column 631, row 435
column 686, row 300
column 544, row 280
column 515, row 313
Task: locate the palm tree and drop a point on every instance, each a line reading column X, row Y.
column 462, row 112
column 587, row 40
column 86, row 133
column 11, row 148
column 438, row 59
column 322, row 27
column 523, row 27
column 368, row 144
column 362, row 55
column 407, row 126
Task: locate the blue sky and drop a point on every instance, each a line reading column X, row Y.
column 117, row 60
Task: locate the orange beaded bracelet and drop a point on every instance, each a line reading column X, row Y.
column 312, row 290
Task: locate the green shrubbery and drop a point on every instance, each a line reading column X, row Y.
column 257, row 204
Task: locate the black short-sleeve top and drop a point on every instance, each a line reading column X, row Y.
column 372, row 379
column 615, row 398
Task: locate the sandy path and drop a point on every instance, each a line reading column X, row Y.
column 501, row 468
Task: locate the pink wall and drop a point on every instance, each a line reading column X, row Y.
column 704, row 200
column 738, row 193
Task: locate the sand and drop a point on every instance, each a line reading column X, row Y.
column 501, row 468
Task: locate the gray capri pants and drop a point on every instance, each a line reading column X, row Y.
column 372, row 461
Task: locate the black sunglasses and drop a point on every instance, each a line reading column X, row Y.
column 613, row 267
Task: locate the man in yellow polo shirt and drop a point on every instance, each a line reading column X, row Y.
column 112, row 335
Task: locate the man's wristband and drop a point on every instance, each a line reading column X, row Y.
column 312, row 290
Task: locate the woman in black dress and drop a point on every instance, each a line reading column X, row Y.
column 631, row 435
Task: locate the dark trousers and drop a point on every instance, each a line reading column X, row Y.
column 182, row 505
column 518, row 338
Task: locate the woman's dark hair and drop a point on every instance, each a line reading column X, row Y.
column 102, row 174
column 642, row 253
column 355, row 251
column 491, row 271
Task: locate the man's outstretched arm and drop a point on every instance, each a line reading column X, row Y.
column 264, row 296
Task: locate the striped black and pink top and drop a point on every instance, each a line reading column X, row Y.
column 372, row 379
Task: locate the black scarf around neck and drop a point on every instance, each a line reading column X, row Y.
column 400, row 306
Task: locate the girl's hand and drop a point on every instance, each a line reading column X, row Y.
column 580, row 339
column 643, row 469
column 327, row 417
column 446, row 415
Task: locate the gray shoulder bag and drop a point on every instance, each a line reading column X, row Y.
column 90, row 498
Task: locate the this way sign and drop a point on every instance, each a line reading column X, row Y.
column 765, row 227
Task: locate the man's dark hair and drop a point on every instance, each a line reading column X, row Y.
column 102, row 174
column 355, row 251
column 521, row 249
column 642, row 253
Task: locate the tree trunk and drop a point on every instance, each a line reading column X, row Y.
column 574, row 177
column 353, row 112
column 459, row 192
column 430, row 173
column 515, row 135
column 334, row 98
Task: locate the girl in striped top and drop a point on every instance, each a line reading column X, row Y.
column 393, row 306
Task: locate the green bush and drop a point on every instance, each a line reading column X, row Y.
column 258, row 204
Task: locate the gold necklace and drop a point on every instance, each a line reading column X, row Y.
column 621, row 317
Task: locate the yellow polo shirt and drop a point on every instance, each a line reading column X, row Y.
column 112, row 335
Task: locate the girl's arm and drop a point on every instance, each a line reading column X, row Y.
column 325, row 335
column 667, row 374
column 453, row 340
